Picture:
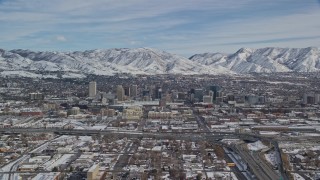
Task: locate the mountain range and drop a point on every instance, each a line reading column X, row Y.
column 77, row 64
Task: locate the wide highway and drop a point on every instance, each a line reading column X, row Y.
column 255, row 165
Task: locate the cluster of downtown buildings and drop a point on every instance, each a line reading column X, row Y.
column 282, row 107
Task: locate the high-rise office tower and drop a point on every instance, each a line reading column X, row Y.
column 157, row 93
column 151, row 89
column 216, row 91
column 120, row 93
column 310, row 98
column 145, row 92
column 92, row 89
column 207, row 99
column 198, row 94
column 127, row 91
column 134, row 91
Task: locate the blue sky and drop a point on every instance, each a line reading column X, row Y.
column 183, row 27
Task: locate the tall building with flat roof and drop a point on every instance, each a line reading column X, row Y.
column 92, row 89
column 93, row 172
column 207, row 99
column 36, row 96
column 311, row 98
column 120, row 93
column 198, row 94
column 216, row 91
column 134, row 91
column 127, row 91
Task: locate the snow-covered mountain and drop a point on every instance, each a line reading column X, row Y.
column 100, row 62
column 264, row 60
column 150, row 61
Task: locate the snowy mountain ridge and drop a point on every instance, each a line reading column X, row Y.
column 151, row 61
column 264, row 60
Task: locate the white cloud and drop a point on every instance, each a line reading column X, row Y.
column 127, row 22
column 295, row 30
column 61, row 38
column 113, row 10
column 135, row 43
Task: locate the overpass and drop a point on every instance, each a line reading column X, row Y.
column 188, row 135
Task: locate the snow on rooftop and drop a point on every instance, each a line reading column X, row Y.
column 98, row 127
column 157, row 148
column 271, row 158
column 268, row 133
column 297, row 176
column 256, row 146
column 85, row 138
column 45, row 176
column 62, row 160
column 310, row 134
column 220, row 175
column 93, row 167
column 316, row 148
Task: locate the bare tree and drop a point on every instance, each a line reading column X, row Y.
column 218, row 150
